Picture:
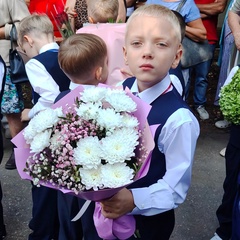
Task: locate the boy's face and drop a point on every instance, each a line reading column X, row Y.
column 151, row 49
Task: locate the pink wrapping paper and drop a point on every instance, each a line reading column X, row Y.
column 121, row 228
column 113, row 35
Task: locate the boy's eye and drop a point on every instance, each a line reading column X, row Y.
column 162, row 44
column 136, row 43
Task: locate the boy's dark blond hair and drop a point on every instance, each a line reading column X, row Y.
column 103, row 11
column 35, row 24
column 80, row 54
column 158, row 11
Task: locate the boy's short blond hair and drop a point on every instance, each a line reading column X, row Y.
column 158, row 11
column 80, row 54
column 36, row 24
column 103, row 11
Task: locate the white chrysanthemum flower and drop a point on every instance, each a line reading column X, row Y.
column 59, row 112
column 119, row 146
column 116, row 175
column 29, row 133
column 129, row 121
column 88, row 111
column 120, row 101
column 93, row 94
column 55, row 141
column 91, row 178
column 88, row 152
column 45, row 119
column 40, row 141
column 109, row 119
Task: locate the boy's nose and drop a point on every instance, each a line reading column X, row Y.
column 147, row 52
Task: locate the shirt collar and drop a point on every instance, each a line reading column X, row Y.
column 150, row 94
column 74, row 85
column 49, row 46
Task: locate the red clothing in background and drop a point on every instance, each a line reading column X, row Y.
column 210, row 23
column 48, row 6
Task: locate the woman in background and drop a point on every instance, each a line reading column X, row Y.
column 77, row 11
column 11, row 12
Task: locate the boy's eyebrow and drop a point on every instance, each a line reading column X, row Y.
column 139, row 37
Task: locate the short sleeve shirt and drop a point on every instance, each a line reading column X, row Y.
column 236, row 7
column 189, row 11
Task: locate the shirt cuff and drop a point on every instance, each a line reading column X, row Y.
column 7, row 30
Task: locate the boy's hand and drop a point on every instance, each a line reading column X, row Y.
column 24, row 115
column 118, row 205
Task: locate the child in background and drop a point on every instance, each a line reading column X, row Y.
column 100, row 12
column 36, row 38
column 153, row 38
column 77, row 12
column 47, row 80
column 83, row 58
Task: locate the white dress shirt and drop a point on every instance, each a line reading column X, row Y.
column 177, row 141
column 42, row 82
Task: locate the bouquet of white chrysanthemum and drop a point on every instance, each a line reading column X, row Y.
column 91, row 143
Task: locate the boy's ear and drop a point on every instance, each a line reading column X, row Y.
column 125, row 55
column 177, row 57
column 28, row 40
column 98, row 73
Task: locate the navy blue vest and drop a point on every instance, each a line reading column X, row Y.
column 61, row 95
column 162, row 108
column 49, row 59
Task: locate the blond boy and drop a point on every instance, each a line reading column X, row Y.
column 152, row 47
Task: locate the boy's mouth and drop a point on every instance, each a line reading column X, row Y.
column 146, row 66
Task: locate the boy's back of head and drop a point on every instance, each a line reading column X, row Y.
column 80, row 54
column 102, row 11
column 36, row 25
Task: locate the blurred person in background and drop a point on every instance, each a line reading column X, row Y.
column 11, row 12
